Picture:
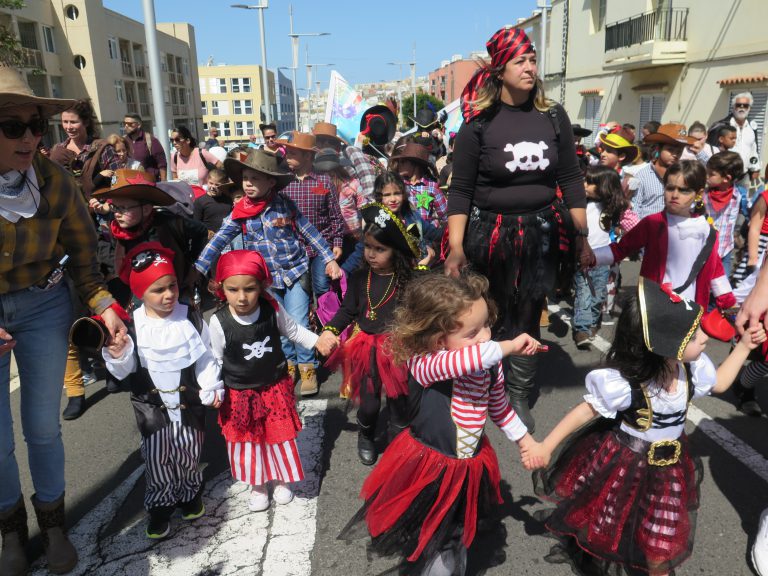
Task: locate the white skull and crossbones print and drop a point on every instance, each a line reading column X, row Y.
column 527, row 156
column 257, row 349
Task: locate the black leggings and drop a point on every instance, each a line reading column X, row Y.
column 370, row 405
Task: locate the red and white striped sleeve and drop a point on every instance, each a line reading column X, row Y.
column 449, row 364
column 502, row 413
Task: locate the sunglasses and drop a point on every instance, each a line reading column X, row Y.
column 117, row 209
column 740, row 105
column 177, row 139
column 270, row 137
column 15, row 129
column 130, row 123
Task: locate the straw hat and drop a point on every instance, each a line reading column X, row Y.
column 327, row 130
column 300, row 141
column 261, row 161
column 136, row 185
column 14, row 91
column 674, row 134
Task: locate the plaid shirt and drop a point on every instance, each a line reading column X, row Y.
column 435, row 211
column 277, row 235
column 724, row 221
column 364, row 169
column 317, row 199
column 32, row 247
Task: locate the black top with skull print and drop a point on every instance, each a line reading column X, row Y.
column 513, row 162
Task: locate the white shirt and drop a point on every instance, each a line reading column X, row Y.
column 686, row 239
column 597, row 236
column 746, row 144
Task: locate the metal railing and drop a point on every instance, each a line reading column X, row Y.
column 127, row 68
column 141, row 71
column 667, row 24
column 131, row 108
column 144, row 109
column 31, row 58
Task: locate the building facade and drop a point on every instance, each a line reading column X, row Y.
column 286, row 112
column 447, row 82
column 665, row 60
column 79, row 49
column 231, row 98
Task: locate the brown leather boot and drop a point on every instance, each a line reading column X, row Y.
column 61, row 555
column 13, row 527
column 309, row 385
column 292, row 371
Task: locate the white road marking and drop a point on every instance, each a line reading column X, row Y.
column 229, row 540
column 736, row 447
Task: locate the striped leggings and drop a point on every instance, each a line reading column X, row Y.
column 753, row 373
column 171, row 456
column 257, row 463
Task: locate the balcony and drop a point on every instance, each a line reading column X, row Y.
column 649, row 39
column 31, row 58
column 127, row 68
column 144, row 109
column 131, row 107
column 141, row 71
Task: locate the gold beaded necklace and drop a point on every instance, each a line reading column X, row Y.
column 371, row 313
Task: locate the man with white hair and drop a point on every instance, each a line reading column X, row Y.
column 746, row 132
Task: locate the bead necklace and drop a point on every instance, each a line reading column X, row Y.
column 371, row 313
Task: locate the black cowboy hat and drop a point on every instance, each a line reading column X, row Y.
column 261, row 161
column 669, row 319
column 378, row 124
column 328, row 159
column 425, row 119
column 405, row 240
column 579, row 131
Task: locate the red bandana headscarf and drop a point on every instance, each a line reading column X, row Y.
column 247, row 263
column 506, row 44
column 145, row 264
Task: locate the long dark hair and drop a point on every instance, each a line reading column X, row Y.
column 185, row 134
column 608, row 186
column 391, row 177
column 402, row 264
column 84, row 110
column 628, row 353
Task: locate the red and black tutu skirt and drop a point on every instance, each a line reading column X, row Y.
column 365, row 358
column 616, row 506
column 419, row 501
column 267, row 414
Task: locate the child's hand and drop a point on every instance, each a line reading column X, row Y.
column 327, row 342
column 753, row 337
column 533, row 454
column 332, row 270
column 216, row 403
column 523, row 345
column 213, row 286
column 117, row 345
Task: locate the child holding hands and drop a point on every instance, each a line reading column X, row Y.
column 258, row 414
column 440, row 476
column 626, row 485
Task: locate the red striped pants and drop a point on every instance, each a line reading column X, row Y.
column 257, row 463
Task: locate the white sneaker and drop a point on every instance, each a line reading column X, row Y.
column 259, row 499
column 282, row 494
column 760, row 548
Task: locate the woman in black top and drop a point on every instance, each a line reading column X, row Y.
column 516, row 184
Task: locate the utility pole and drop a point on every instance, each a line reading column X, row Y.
column 153, row 55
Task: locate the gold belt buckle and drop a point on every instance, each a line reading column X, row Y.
column 662, row 461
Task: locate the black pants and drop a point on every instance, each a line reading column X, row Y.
column 370, row 405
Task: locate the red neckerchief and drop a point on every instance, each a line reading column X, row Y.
column 132, row 234
column 720, row 198
column 247, row 208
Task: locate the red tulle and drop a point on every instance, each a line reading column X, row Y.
column 265, row 414
column 408, row 467
column 355, row 356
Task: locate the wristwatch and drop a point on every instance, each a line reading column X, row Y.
column 582, row 232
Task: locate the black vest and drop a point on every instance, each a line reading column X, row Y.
column 640, row 415
column 253, row 356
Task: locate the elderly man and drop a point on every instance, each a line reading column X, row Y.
column 746, row 133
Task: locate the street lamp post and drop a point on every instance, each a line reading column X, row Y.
column 309, row 86
column 265, row 72
column 295, row 51
column 399, row 92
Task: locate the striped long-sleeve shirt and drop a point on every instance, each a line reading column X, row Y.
column 476, row 395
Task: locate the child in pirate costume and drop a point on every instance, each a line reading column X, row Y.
column 414, row 166
column 390, row 253
column 258, row 413
column 169, row 365
column 625, row 483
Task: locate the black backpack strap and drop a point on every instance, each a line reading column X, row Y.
column 701, row 259
column 553, row 117
column 689, row 380
column 208, row 165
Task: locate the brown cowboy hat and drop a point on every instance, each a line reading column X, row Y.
column 300, row 141
column 672, row 133
column 416, row 153
column 136, row 185
column 261, row 161
column 327, row 130
column 14, row 91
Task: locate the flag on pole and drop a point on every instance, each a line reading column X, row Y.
column 344, row 108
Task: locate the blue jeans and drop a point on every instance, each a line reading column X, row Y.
column 728, row 264
column 296, row 302
column 320, row 281
column 39, row 322
column 353, row 255
column 587, row 309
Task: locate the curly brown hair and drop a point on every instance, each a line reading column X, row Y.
column 430, row 309
column 85, row 111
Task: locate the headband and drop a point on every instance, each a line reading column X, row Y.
column 144, row 265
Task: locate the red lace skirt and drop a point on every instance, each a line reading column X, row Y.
column 618, row 507
column 363, row 357
column 417, row 500
column 260, row 415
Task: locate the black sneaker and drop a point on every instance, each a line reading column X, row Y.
column 193, row 509
column 159, row 525
column 75, row 408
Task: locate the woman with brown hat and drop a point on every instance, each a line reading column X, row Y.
column 43, row 218
column 513, row 152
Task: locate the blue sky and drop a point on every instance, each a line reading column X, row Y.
column 364, row 35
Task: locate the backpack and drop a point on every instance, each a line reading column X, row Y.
column 208, row 165
column 183, row 194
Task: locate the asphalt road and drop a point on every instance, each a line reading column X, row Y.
column 102, row 452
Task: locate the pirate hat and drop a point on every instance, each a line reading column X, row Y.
column 261, row 161
column 135, row 185
column 579, row 131
column 426, row 119
column 405, row 240
column 669, row 320
column 672, row 133
column 378, row 124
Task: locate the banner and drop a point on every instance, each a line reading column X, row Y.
column 453, row 120
column 344, row 108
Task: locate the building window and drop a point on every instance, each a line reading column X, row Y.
column 71, row 12
column 203, row 86
column 119, row 91
column 222, row 85
column 204, row 106
column 50, row 45
column 79, row 62
column 599, row 8
column 243, row 106
column 214, row 107
column 185, row 67
column 224, row 129
column 244, row 128
column 241, row 85
column 167, row 95
column 114, row 53
column 182, row 101
column 591, row 117
column 651, row 108
column 163, row 62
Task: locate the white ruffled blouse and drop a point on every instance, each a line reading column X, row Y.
column 609, row 393
column 165, row 347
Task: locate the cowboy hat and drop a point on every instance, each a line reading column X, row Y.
column 261, row 161
column 136, row 185
column 327, row 130
column 328, row 159
column 300, row 141
column 425, row 119
column 14, row 91
column 579, row 131
column 672, row 133
column 416, row 153
column 378, row 124
column 620, row 141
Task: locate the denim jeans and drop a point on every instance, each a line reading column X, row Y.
column 296, row 302
column 320, row 280
column 353, row 254
column 39, row 322
column 587, row 309
column 728, row 264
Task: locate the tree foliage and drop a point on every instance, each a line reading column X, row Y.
column 10, row 47
column 421, row 102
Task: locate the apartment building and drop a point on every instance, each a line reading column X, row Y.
column 79, row 49
column 665, row 60
column 286, row 112
column 231, row 98
column 447, row 82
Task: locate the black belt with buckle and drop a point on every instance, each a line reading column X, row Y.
column 659, row 453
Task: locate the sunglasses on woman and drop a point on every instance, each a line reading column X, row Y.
column 15, row 129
